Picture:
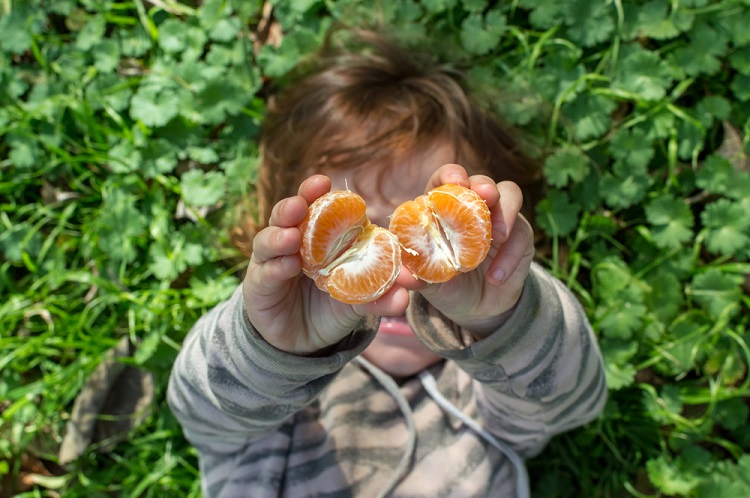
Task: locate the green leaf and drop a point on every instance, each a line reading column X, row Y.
column 701, row 55
column 713, row 107
column 741, row 86
column 735, row 25
column 276, row 62
column 92, row 32
column 681, row 350
column 672, row 221
column 216, row 18
column 19, row 240
column 217, row 100
column 617, row 355
column 119, row 225
column 666, row 294
column 556, row 215
column 159, row 158
column 740, row 60
column 716, row 175
column 24, row 151
column 732, row 413
column 202, row 189
column 108, row 90
column 690, row 139
column 670, row 478
column 641, row 72
column 728, row 227
column 135, row 42
column 590, row 114
column 14, row 26
column 172, row 35
column 655, row 22
column 568, row 164
column 225, row 29
column 717, row 291
column 544, row 13
column 480, row 34
column 203, row 155
column 241, row 173
column 663, row 406
column 165, row 264
column 623, row 192
column 211, row 291
column 589, row 23
column 560, row 74
column 106, row 56
column 124, row 157
column 623, row 320
column 633, row 151
column 437, row 6
column 154, row 105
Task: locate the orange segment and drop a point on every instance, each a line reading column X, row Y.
column 347, row 256
column 415, row 226
column 367, row 269
column 333, row 221
column 443, row 233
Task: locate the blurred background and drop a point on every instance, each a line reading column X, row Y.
column 128, row 142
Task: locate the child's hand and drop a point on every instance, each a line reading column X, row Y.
column 285, row 306
column 495, row 286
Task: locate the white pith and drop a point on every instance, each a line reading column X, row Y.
column 445, row 239
column 342, row 242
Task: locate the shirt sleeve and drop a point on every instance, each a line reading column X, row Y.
column 540, row 374
column 228, row 386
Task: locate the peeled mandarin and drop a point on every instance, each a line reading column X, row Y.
column 352, row 259
column 443, row 233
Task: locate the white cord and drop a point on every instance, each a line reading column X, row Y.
column 522, row 477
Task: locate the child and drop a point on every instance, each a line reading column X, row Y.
column 432, row 390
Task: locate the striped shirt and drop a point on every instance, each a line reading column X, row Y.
column 271, row 424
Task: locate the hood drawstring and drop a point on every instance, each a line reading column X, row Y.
column 522, row 478
column 391, row 387
column 430, row 385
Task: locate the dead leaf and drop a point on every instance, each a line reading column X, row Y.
column 732, row 148
column 116, row 398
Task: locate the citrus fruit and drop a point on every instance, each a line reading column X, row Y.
column 443, row 233
column 352, row 259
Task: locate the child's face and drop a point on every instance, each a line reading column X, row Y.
column 395, row 349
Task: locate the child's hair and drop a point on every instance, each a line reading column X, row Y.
column 372, row 106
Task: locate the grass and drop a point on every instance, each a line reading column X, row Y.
column 128, row 129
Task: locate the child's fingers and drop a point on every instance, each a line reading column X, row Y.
column 448, row 173
column 504, row 211
column 486, row 188
column 392, row 303
column 275, row 274
column 313, row 187
column 516, row 249
column 288, row 212
column 273, row 242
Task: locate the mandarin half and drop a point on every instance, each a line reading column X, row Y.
column 352, row 259
column 443, row 233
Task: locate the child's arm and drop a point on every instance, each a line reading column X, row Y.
column 539, row 374
column 522, row 335
column 285, row 306
column 229, row 386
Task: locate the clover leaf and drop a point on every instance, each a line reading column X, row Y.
column 728, row 227
column 672, row 221
column 202, row 188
